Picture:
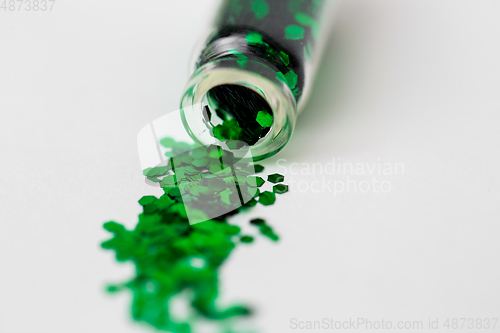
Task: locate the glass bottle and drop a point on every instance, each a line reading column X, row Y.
column 253, row 73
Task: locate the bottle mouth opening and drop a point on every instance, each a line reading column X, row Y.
column 239, row 107
column 237, row 113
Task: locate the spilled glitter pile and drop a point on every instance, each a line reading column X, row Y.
column 170, row 253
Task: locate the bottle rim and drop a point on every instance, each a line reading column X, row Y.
column 256, row 75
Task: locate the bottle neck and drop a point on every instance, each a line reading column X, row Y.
column 243, row 43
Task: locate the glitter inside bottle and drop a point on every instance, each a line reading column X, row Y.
column 253, row 73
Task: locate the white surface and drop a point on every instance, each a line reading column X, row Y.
column 414, row 82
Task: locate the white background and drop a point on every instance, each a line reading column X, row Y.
column 414, row 82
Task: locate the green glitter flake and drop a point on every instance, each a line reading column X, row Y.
column 281, row 77
column 294, row 32
column 264, row 119
column 275, row 178
column 229, row 130
column 308, row 21
column 268, row 232
column 280, row 189
column 242, row 60
column 265, row 229
column 260, row 9
column 258, row 221
column 285, row 58
column 247, row 239
column 167, row 142
column 158, row 171
column 267, row 198
column 146, row 200
column 254, row 38
column 304, row 19
column 258, row 168
column 154, row 180
column 256, row 180
column 291, row 79
column 296, row 91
